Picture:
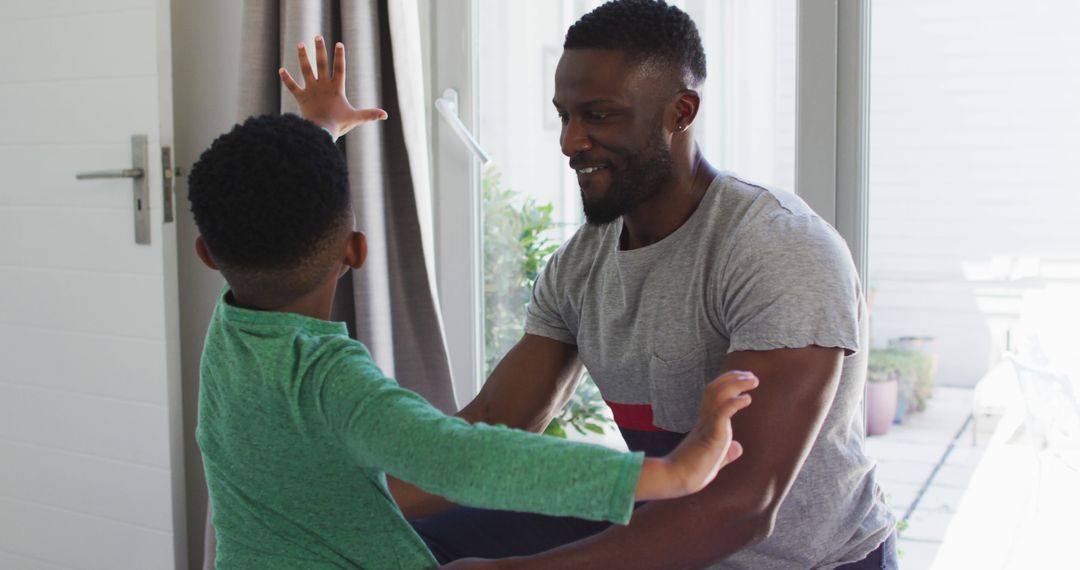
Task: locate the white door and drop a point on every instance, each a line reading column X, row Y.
column 91, row 472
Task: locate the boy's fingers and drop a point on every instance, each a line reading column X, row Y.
column 290, row 84
column 734, row 452
column 366, row 115
column 725, row 388
column 322, row 67
column 305, row 65
column 732, row 376
column 730, row 407
column 339, row 67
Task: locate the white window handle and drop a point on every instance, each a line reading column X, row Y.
column 447, row 105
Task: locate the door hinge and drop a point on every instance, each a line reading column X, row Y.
column 168, row 183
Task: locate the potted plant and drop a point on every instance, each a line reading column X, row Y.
column 911, row 369
column 882, row 391
column 922, row 367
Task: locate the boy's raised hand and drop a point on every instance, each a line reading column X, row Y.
column 706, row 449
column 322, row 98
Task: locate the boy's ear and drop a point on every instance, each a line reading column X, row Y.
column 204, row 253
column 355, row 250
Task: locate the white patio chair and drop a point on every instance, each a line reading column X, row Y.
column 1052, row 412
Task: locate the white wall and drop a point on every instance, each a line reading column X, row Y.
column 974, row 178
column 206, row 60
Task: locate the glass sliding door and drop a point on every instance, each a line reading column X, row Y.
column 975, row 259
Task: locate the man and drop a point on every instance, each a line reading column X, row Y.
column 681, row 273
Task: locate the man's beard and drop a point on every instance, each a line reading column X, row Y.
column 640, row 177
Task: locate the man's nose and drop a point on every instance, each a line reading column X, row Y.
column 574, row 139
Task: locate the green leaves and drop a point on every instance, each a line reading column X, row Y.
column 555, row 429
column 517, row 244
column 586, row 411
column 595, row 428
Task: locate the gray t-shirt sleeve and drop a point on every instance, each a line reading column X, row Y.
column 790, row 283
column 545, row 313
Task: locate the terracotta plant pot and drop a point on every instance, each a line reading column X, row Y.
column 881, row 398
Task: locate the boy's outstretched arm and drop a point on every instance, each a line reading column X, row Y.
column 686, row 470
column 396, row 431
column 322, row 99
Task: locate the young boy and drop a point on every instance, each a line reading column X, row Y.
column 298, row 427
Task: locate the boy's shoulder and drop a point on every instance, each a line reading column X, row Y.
column 344, row 354
column 287, row 342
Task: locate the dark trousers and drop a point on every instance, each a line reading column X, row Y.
column 465, row 532
column 882, row 558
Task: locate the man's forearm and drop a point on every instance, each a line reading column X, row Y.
column 528, row 387
column 415, row 502
column 684, row 533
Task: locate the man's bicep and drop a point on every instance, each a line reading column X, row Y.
column 528, row 386
column 777, row 431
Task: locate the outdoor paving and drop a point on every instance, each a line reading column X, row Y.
column 923, row 465
column 972, row 493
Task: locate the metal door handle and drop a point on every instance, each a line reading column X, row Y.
column 122, row 173
column 140, row 188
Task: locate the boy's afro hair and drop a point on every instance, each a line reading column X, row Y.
column 267, row 193
column 643, row 29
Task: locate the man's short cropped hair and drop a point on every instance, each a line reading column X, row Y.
column 644, row 30
column 268, row 198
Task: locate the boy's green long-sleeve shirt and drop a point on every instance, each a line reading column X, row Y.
column 297, row 427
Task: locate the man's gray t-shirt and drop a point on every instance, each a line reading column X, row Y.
column 751, row 269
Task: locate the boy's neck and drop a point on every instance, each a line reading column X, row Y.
column 316, row 304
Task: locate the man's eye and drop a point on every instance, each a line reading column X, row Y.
column 598, row 116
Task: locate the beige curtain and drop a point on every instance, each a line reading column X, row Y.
column 393, row 307
column 389, row 304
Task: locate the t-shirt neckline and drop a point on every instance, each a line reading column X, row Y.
column 673, row 239
column 232, row 313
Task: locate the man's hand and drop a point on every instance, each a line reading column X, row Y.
column 322, row 98
column 706, row 449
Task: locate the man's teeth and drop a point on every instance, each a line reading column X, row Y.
column 590, row 169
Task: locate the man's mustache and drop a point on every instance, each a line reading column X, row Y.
column 584, row 162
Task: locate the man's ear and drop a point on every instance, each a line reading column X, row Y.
column 355, row 250
column 684, row 110
column 204, row 253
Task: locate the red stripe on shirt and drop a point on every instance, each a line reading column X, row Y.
column 633, row 416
